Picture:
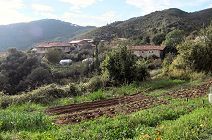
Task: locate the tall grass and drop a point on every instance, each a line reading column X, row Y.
column 18, row 121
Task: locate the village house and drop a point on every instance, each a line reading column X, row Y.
column 3, row 54
column 146, row 51
column 79, row 44
column 42, row 48
column 66, row 47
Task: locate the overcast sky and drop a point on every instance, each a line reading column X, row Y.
column 89, row 12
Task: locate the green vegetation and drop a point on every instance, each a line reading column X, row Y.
column 174, row 38
column 29, row 85
column 21, row 71
column 143, row 29
column 194, row 59
column 42, row 95
column 123, row 67
column 158, row 39
column 180, row 118
column 54, row 56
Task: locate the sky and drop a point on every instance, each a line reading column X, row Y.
column 89, row 12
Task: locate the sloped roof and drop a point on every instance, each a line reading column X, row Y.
column 52, row 44
column 76, row 41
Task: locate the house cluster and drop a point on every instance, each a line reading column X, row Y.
column 66, row 47
column 146, row 51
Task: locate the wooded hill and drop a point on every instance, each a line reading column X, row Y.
column 155, row 23
column 24, row 35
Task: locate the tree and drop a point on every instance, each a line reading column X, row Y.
column 120, row 66
column 96, row 42
column 141, row 70
column 54, row 56
column 39, row 76
column 169, row 50
column 15, row 69
column 174, row 38
column 196, row 55
column 158, row 39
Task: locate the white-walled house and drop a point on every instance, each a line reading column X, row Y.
column 146, row 51
column 78, row 44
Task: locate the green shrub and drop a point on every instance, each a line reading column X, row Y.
column 21, row 72
column 120, row 65
column 43, row 95
column 141, row 72
column 54, row 55
column 74, row 89
column 94, row 83
column 197, row 76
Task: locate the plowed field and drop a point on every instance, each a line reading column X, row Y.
column 192, row 92
column 77, row 112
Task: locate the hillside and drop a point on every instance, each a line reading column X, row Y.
column 24, row 35
column 154, row 23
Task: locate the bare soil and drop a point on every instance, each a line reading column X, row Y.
column 76, row 113
column 90, row 110
column 192, row 92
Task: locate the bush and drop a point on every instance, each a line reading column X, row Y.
column 74, row 89
column 141, row 70
column 54, row 56
column 94, row 83
column 42, row 95
column 122, row 66
column 15, row 69
column 158, row 39
column 197, row 75
column 194, row 58
column 174, row 38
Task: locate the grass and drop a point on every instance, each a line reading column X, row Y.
column 149, row 86
column 136, row 125
column 28, row 117
column 196, row 125
column 178, row 119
